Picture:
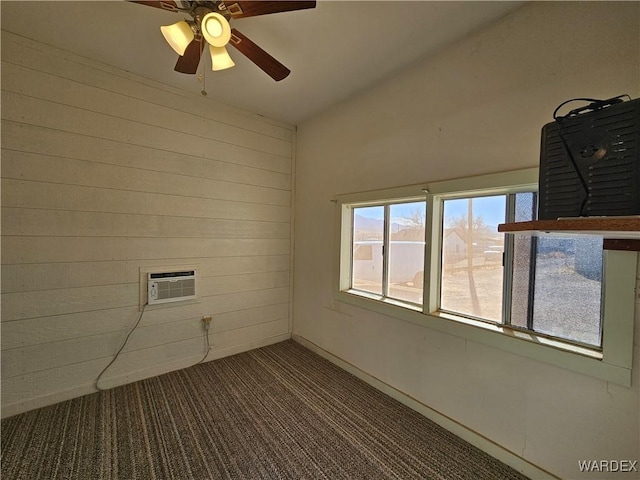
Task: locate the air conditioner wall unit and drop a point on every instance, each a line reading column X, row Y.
column 166, row 287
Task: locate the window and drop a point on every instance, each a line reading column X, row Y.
column 547, row 285
column 432, row 255
column 399, row 230
column 472, row 257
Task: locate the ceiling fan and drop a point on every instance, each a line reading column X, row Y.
column 209, row 23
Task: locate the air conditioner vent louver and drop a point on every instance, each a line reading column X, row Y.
column 165, row 287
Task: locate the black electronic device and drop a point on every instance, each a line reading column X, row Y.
column 590, row 161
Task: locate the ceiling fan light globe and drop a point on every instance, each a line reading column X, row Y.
column 220, row 58
column 179, row 36
column 215, row 29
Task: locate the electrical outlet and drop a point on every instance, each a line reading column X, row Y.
column 206, row 322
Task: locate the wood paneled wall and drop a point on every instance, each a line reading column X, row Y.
column 105, row 176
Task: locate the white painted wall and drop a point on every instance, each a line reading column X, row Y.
column 105, row 175
column 477, row 107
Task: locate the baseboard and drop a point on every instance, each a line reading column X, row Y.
column 9, row 410
column 133, row 376
column 474, row 438
column 245, row 347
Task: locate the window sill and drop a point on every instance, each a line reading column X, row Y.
column 384, row 300
column 564, row 355
column 522, row 335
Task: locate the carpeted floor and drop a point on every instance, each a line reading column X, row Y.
column 280, row 412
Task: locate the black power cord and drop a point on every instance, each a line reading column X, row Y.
column 593, row 106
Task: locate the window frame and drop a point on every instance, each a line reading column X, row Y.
column 613, row 362
column 386, row 247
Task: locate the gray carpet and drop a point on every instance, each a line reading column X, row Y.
column 280, row 412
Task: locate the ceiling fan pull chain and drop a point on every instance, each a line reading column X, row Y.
column 203, row 78
column 204, row 83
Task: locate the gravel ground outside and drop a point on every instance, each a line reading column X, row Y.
column 566, row 304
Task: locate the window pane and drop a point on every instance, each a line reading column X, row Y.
column 368, row 235
column 523, row 259
column 568, row 288
column 472, row 257
column 406, row 252
column 556, row 282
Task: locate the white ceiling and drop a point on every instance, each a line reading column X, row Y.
column 333, row 51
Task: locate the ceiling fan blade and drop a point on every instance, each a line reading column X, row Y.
column 163, row 4
column 262, row 59
column 188, row 63
column 242, row 9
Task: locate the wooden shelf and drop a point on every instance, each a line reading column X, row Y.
column 620, row 233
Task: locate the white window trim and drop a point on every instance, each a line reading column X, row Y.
column 613, row 363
